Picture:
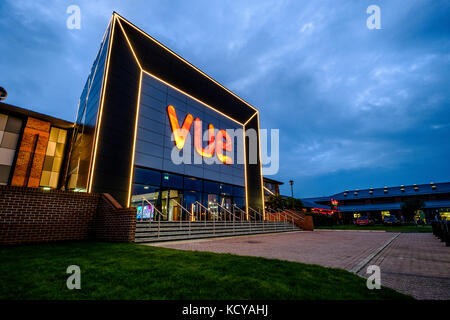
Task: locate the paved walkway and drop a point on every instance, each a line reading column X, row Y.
column 417, row 264
column 413, row 263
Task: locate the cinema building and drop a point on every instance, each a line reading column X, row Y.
column 142, row 107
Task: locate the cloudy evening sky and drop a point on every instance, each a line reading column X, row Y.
column 356, row 108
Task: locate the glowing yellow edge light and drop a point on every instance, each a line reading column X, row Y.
column 183, row 60
column 268, row 190
column 134, row 140
column 245, row 174
column 260, row 172
column 89, row 91
column 129, row 44
column 100, row 114
column 250, row 118
column 192, row 97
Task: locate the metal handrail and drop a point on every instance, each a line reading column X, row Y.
column 295, row 213
column 262, row 217
column 292, row 215
column 181, row 218
column 242, row 211
column 207, row 209
column 287, row 212
column 157, row 211
column 214, row 215
column 227, row 211
column 231, row 213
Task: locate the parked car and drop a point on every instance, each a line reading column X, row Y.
column 391, row 220
column 364, row 221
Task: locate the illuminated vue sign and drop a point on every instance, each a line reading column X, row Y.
column 220, row 142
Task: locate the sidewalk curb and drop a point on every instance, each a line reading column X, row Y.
column 337, row 230
column 367, row 259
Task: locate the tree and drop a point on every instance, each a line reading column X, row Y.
column 298, row 204
column 410, row 206
column 277, row 202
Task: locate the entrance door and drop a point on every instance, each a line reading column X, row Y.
column 169, row 202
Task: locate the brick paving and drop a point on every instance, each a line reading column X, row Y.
column 417, row 264
column 413, row 263
column 332, row 249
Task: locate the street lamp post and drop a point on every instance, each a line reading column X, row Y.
column 3, row 94
column 291, row 182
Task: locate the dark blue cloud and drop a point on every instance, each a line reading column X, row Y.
column 355, row 107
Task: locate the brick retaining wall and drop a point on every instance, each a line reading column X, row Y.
column 32, row 215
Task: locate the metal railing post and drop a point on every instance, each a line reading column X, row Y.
column 159, row 224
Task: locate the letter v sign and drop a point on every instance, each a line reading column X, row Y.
column 179, row 134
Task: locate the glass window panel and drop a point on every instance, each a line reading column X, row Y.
column 45, row 178
column 146, row 176
column 226, row 189
column 238, row 192
column 48, row 163
column 54, row 134
column 3, row 121
column 4, row 174
column 13, row 125
column 62, row 136
column 53, row 179
column 59, row 150
column 172, row 180
column 51, row 148
column 240, row 202
column 56, row 164
column 211, row 187
column 193, row 184
column 7, row 156
column 9, row 140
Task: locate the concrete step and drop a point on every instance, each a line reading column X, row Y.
column 204, row 235
column 171, row 230
column 164, row 232
column 154, row 227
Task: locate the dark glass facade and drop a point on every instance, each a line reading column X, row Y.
column 85, row 126
column 132, row 159
column 166, row 191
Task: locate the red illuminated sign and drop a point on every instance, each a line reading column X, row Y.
column 220, row 143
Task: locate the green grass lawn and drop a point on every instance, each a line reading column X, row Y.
column 380, row 227
column 130, row 271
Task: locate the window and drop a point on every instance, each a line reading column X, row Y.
column 53, row 158
column 147, row 177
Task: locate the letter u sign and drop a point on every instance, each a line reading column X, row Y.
column 218, row 143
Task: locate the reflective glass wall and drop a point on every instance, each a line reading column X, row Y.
column 167, row 192
column 84, row 130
